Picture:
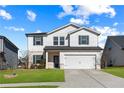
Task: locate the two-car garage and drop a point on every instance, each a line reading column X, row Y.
column 79, row 61
column 76, row 57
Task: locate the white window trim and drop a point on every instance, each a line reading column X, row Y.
column 58, row 40
column 36, row 39
column 85, row 39
column 61, row 40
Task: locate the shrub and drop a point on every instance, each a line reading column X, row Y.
column 39, row 65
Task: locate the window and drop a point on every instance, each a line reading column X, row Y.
column 55, row 40
column 83, row 40
column 37, row 58
column 61, row 40
column 38, row 40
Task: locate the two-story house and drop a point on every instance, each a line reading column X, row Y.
column 8, row 54
column 68, row 47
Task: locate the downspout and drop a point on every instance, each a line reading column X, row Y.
column 68, row 40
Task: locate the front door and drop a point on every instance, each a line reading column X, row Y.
column 56, row 61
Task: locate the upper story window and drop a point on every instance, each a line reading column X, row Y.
column 62, row 41
column 58, row 40
column 38, row 40
column 55, row 40
column 83, row 40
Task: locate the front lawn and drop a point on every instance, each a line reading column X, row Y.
column 32, row 75
column 117, row 71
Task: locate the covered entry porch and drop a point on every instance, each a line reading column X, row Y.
column 53, row 59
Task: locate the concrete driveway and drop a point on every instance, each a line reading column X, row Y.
column 91, row 79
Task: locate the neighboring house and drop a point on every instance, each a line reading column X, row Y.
column 67, row 47
column 8, row 54
column 113, row 53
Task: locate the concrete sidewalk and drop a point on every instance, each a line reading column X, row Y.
column 32, row 84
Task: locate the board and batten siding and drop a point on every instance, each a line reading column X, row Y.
column 115, row 54
column 11, row 57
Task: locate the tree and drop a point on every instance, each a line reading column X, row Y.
column 23, row 57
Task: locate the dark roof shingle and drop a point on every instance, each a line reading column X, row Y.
column 43, row 33
column 6, row 39
column 118, row 40
column 71, row 48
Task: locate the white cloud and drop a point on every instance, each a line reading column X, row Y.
column 5, row 15
column 115, row 24
column 67, row 10
column 38, row 31
column 106, row 31
column 79, row 21
column 13, row 28
column 88, row 10
column 85, row 11
column 31, row 15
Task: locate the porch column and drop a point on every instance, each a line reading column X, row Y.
column 46, row 60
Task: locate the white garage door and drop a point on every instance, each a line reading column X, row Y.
column 75, row 61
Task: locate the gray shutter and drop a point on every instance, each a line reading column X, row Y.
column 79, row 40
column 42, row 40
column 34, row 40
column 87, row 39
column 33, row 59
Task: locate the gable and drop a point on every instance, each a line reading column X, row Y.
column 74, row 38
column 85, row 29
column 68, row 28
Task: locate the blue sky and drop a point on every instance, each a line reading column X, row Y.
column 15, row 21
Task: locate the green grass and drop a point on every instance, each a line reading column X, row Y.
column 33, row 75
column 46, row 86
column 117, row 71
